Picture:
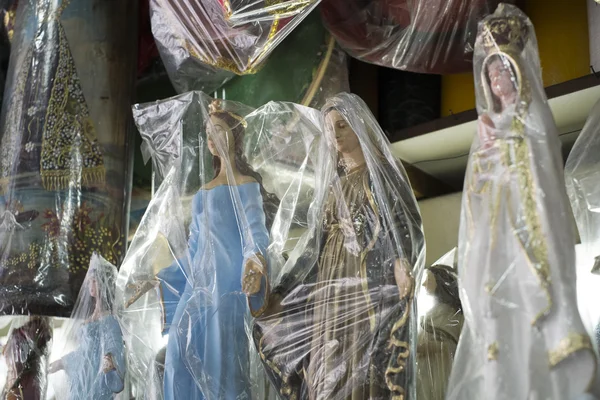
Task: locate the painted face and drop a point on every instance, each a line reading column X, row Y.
column 430, row 284
column 345, row 138
column 218, row 132
column 502, row 80
column 93, row 288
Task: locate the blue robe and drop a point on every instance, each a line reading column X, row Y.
column 208, row 348
column 84, row 365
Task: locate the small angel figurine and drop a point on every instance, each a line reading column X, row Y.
column 95, row 369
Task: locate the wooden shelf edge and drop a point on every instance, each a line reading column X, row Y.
column 553, row 91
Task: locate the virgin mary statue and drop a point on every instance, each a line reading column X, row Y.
column 523, row 336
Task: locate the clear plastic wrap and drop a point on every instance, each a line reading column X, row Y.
column 306, row 70
column 26, row 355
column 433, row 36
column 341, row 319
column 91, row 363
column 223, row 158
column 440, row 324
column 244, row 11
column 64, row 149
column 582, row 175
column 202, row 50
column 523, row 336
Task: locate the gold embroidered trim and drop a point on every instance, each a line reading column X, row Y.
column 68, row 129
column 569, row 345
column 535, row 245
column 55, row 180
column 493, row 351
column 398, row 391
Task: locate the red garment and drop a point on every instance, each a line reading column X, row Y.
column 432, row 36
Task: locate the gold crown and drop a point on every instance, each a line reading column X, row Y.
column 217, row 107
column 507, row 34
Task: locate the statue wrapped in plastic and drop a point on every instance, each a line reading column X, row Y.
column 218, row 153
column 243, row 11
column 26, row 355
column 440, row 324
column 341, row 319
column 63, row 150
column 523, row 335
column 582, row 175
column 202, row 49
column 430, row 36
column 93, row 356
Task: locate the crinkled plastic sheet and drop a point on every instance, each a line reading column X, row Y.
column 89, row 361
column 64, row 143
column 433, row 36
column 244, row 11
column 308, row 69
column 582, row 175
column 342, row 319
column 240, row 227
column 523, row 335
column 25, row 359
column 440, row 324
column 202, row 50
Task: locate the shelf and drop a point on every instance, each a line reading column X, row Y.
column 441, row 148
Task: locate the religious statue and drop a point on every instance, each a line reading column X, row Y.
column 208, row 296
column 96, row 367
column 523, row 336
column 341, row 323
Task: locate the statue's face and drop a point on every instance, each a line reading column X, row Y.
column 344, row 137
column 429, row 283
column 218, row 132
column 93, row 287
column 503, row 82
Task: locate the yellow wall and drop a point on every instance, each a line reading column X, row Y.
column 562, row 33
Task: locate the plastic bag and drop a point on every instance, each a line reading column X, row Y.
column 244, row 11
column 440, row 323
column 159, row 241
column 26, row 356
column 64, row 140
column 341, row 320
column 91, row 364
column 210, row 293
column 307, row 69
column 583, row 186
column 523, row 335
column 202, row 50
column 433, row 36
